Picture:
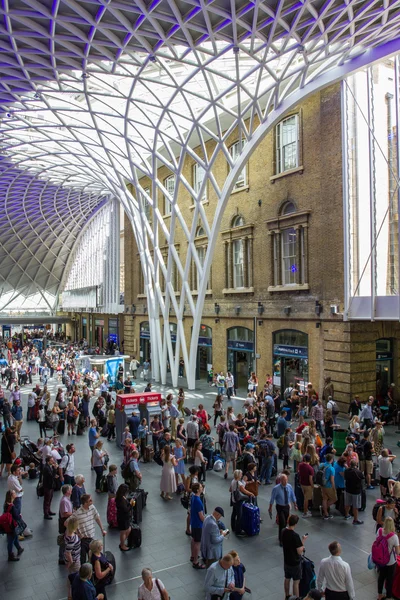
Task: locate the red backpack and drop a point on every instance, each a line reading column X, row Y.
column 380, row 549
column 7, row 523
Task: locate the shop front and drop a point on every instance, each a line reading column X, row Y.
column 99, row 332
column 113, row 337
column 145, row 345
column 290, row 359
column 84, row 328
column 240, row 354
column 204, row 352
column 384, row 367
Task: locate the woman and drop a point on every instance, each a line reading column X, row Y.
column 112, row 482
column 287, row 445
column 199, row 460
column 181, row 431
column 98, row 463
column 251, row 481
column 72, row 554
column 55, row 416
column 124, row 515
column 314, row 462
column 240, row 426
column 70, row 416
column 240, row 581
column 202, row 415
column 328, row 424
column 252, row 383
column 164, row 413
column 340, row 467
column 217, row 406
column 386, row 573
column 230, row 416
column 12, row 537
column 41, row 419
column 377, row 437
column 8, row 455
column 102, row 569
column 238, row 495
column 168, row 481
column 355, row 427
column 181, row 401
column 151, row 588
column 180, row 455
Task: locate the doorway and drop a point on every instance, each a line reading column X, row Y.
column 290, row 359
column 240, row 355
column 204, row 352
column 145, row 345
column 384, row 367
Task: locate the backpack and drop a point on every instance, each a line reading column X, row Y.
column 380, row 549
column 376, row 507
column 103, row 486
column 126, row 472
column 360, row 451
column 320, row 477
column 7, row 523
column 281, row 442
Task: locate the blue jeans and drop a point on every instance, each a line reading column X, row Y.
column 221, row 390
column 18, row 504
column 266, row 469
column 12, row 540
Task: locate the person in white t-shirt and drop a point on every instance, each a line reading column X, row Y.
column 386, row 573
column 151, row 588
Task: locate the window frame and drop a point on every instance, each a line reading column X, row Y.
column 279, row 149
column 167, row 203
column 241, row 182
column 195, row 183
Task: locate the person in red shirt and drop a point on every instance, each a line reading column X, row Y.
column 202, row 414
column 306, row 480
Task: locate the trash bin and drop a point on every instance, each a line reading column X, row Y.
column 339, row 440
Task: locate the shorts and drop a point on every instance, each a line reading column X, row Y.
column 229, row 456
column 307, row 492
column 292, row 572
column 196, row 534
column 74, row 568
column 367, row 467
column 190, row 442
column 383, row 481
column 329, row 494
column 353, row 500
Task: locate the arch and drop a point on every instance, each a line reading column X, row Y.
column 294, row 337
column 237, row 221
column 287, row 207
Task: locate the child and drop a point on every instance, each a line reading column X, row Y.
column 239, row 571
column 32, row 471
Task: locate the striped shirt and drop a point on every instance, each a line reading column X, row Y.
column 73, row 545
column 87, row 521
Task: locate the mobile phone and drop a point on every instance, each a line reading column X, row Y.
column 247, row 590
column 226, row 531
column 306, row 534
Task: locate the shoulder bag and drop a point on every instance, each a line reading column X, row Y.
column 238, row 496
column 163, row 593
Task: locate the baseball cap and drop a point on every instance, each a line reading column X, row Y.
column 248, row 446
column 219, row 510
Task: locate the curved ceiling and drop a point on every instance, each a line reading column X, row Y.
column 97, row 93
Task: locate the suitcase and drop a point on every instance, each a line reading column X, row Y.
column 298, row 492
column 135, row 537
column 112, row 513
column 61, row 427
column 317, row 497
column 250, row 519
column 105, row 430
column 111, row 559
column 187, row 411
column 144, row 496
column 137, row 509
column 148, row 454
column 308, row 579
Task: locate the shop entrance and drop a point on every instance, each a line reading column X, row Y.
column 204, row 352
column 384, row 367
column 145, row 345
column 290, row 359
column 240, row 358
column 99, row 332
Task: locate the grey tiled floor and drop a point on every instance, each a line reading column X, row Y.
column 165, row 547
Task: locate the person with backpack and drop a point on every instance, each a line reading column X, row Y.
column 325, row 477
column 267, row 450
column 353, row 488
column 12, row 536
column 383, row 509
column 384, row 554
column 364, row 450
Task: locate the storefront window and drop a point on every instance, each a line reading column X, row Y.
column 384, row 367
column 145, row 346
column 240, row 356
column 204, row 352
column 290, row 359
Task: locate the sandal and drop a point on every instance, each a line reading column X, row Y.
column 198, row 566
column 123, row 549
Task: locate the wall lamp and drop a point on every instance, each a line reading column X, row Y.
column 133, row 309
column 217, row 320
column 260, row 322
column 259, row 202
column 237, row 310
column 144, row 308
column 287, row 310
column 318, row 308
column 260, row 308
column 217, row 308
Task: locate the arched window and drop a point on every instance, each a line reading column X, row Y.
column 237, row 221
column 288, row 208
column 200, row 231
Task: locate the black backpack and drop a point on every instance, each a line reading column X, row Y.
column 360, row 451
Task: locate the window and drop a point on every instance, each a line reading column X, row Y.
column 169, row 184
column 238, row 244
column 198, row 179
column 234, row 151
column 289, row 249
column 287, row 144
column 201, row 248
column 146, row 204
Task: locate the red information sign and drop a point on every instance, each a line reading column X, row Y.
column 136, row 399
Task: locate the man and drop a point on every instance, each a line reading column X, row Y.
column 306, row 480
column 281, row 424
column 146, row 367
column 49, row 476
column 317, row 414
column 212, row 537
column 147, row 389
column 332, row 406
column 336, row 575
column 231, row 448
column 355, row 407
column 31, row 406
column 220, row 578
column 364, row 451
column 313, row 595
column 283, row 496
column 93, row 434
column 181, row 366
column 17, row 414
column 250, row 418
column 367, row 415
column 328, row 487
column 87, row 516
column 128, row 385
column 133, row 366
column 267, row 451
column 293, row 548
column 165, row 440
column 67, row 466
column 174, row 415
column 64, row 512
column 192, row 431
column 82, row 587
column 196, row 524
column 207, row 442
column 14, row 482
column 133, row 423
column 353, row 489
column 156, row 429
column 95, row 378
column 15, row 395
column 221, row 383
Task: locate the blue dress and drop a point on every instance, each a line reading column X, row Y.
column 180, row 467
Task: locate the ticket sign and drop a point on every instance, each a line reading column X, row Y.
column 136, row 399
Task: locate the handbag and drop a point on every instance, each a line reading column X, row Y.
column 238, row 496
column 185, row 500
column 60, row 539
column 252, row 486
column 20, row 527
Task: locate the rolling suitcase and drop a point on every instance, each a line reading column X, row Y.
column 137, row 509
column 317, row 497
column 250, row 519
column 61, row 427
column 298, row 492
column 148, row 454
column 135, row 537
column 308, row 579
column 187, row 411
column 144, row 496
column 112, row 513
column 110, row 559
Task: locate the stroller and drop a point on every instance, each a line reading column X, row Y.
column 27, row 454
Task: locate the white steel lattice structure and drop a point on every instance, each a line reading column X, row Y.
column 103, row 93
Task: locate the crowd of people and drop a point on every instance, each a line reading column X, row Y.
column 297, row 427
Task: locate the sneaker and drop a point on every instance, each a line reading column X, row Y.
column 306, row 515
column 12, row 558
column 370, row 487
column 309, row 513
column 328, row 517
column 358, row 522
column 348, row 517
column 20, row 551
